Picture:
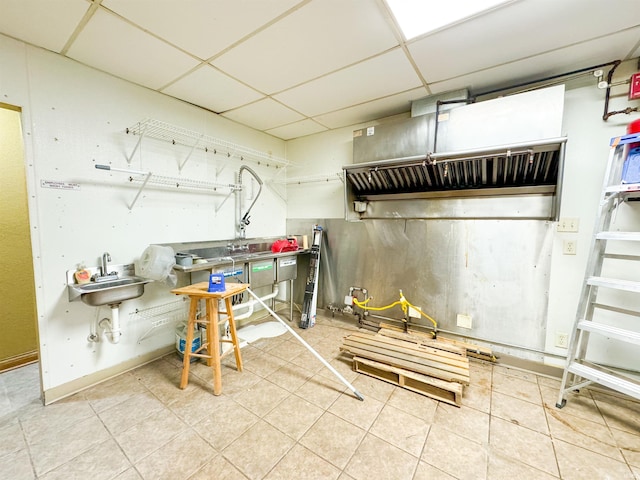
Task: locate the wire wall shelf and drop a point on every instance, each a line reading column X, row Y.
column 175, row 135
column 167, row 314
column 149, row 178
column 310, row 179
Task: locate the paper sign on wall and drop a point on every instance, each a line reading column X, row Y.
column 59, row 185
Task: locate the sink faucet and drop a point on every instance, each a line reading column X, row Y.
column 106, row 258
column 244, row 219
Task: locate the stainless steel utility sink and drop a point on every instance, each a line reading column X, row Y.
column 112, row 292
column 125, row 286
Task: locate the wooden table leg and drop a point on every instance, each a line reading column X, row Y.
column 214, row 344
column 188, row 344
column 234, row 336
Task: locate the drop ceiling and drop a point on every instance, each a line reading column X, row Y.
column 292, row 68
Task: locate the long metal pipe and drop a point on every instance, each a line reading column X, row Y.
column 308, row 347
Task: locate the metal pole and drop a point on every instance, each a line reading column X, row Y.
column 308, row 347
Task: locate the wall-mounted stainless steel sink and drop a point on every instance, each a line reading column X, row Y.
column 109, row 293
column 126, row 287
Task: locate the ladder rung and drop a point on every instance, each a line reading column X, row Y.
column 620, row 384
column 627, row 285
column 629, row 236
column 609, row 331
column 623, row 188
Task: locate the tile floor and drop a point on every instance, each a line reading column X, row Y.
column 287, row 417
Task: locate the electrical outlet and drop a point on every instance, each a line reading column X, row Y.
column 568, row 224
column 562, row 340
column 463, row 321
column 414, row 313
column 568, row 247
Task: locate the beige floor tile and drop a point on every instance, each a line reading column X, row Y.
column 373, row 387
column 375, row 458
column 56, row 448
column 54, row 418
column 629, row 444
column 619, row 412
column 287, row 350
column 549, row 382
column 129, row 412
column 401, row 430
column 146, row 437
column 504, row 468
column 130, row 474
column 261, row 397
column 361, row 414
column 429, row 472
column 176, row 460
column 333, row 439
column 411, row 402
column 195, row 405
column 579, row 405
column 343, row 364
column 517, row 387
column 16, row 465
column 577, row 464
column 308, row 361
column 234, row 381
column 12, row 439
column 225, row 423
column 218, row 468
column 455, row 455
column 519, row 412
column 302, row 464
column 113, row 391
column 478, row 398
column 294, row 416
column 264, row 364
column 583, row 433
column 321, row 391
column 522, row 444
column 515, row 372
column 102, row 462
column 258, row 450
column 290, row 377
column 464, row 421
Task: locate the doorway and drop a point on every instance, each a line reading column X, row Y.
column 18, row 319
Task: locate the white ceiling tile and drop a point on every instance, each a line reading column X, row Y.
column 263, row 115
column 383, row 107
column 201, row 27
column 516, row 31
column 45, row 24
column 375, row 78
column 115, row 46
column 565, row 60
column 212, row 89
column 318, row 38
column 297, row 129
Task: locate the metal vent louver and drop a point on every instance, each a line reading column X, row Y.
column 516, row 166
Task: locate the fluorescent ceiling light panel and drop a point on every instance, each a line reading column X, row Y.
column 417, row 17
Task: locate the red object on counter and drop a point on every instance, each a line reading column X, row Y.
column 288, row 245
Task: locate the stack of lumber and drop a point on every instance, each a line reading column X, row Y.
column 433, row 368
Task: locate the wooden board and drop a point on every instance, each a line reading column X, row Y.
column 440, row 364
column 476, row 351
column 449, row 392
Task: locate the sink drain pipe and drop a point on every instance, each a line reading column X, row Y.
column 110, row 326
column 308, row 347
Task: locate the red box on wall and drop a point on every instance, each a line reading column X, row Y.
column 634, row 89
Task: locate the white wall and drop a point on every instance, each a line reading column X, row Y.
column 73, row 118
column 586, row 157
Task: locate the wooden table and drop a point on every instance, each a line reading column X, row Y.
column 197, row 292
